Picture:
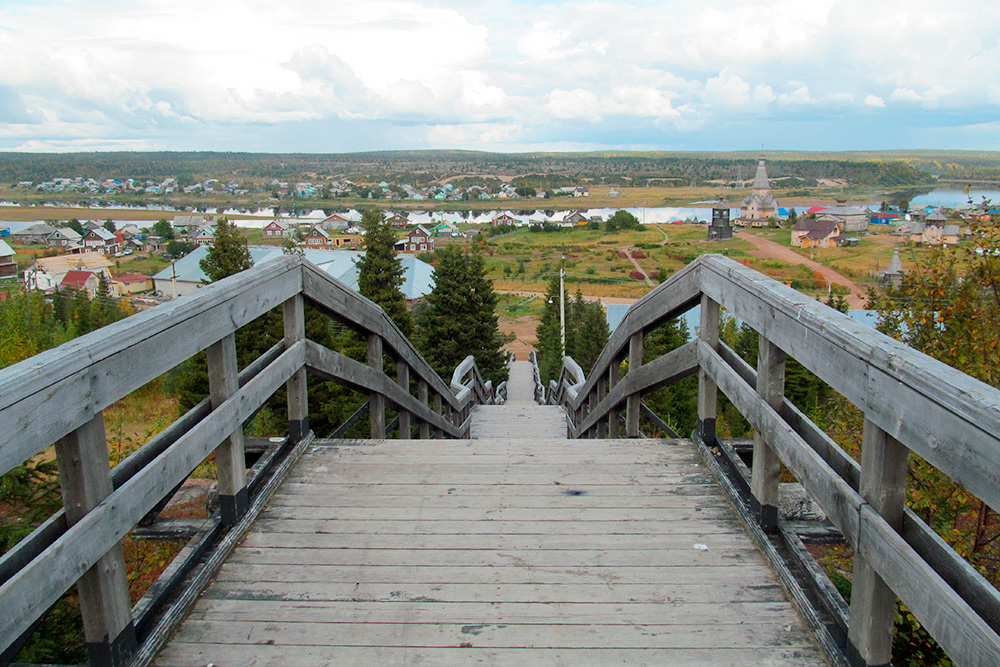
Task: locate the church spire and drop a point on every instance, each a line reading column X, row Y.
column 760, row 180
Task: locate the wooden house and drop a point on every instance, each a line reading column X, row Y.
column 398, row 221
column 8, row 268
column 130, row 283
column 63, row 237
column 335, row 221
column 278, row 229
column 86, row 281
column 317, row 238
column 417, row 240
column 822, row 232
column 102, row 241
column 504, row 219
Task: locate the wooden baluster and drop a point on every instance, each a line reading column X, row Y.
column 437, row 409
column 376, row 401
column 602, row 424
column 591, row 403
column 403, row 380
column 425, row 426
column 85, row 478
column 873, row 604
column 634, row 400
column 230, row 460
column 708, row 391
column 293, row 311
column 614, row 423
column 766, row 463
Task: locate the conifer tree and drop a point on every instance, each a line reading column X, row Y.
column 380, row 272
column 550, row 350
column 586, row 331
column 228, row 255
column 459, row 317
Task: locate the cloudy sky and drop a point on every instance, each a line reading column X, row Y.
column 509, row 75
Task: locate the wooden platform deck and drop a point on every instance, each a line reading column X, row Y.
column 520, row 417
column 514, row 552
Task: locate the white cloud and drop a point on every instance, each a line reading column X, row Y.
column 473, row 134
column 106, row 68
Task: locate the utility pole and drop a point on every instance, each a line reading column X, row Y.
column 562, row 304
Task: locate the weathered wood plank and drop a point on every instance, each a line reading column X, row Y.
column 708, row 390
column 294, row 325
column 187, row 654
column 766, row 463
column 230, row 458
column 528, row 515
column 497, row 635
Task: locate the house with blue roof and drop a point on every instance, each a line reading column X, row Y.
column 185, row 275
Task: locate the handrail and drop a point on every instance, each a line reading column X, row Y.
column 536, row 376
column 59, row 396
column 911, row 402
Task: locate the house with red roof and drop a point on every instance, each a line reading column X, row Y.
column 81, row 280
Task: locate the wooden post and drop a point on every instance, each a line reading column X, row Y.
column 230, row 461
column 85, row 477
column 602, row 424
column 403, row 380
column 591, row 403
column 439, row 410
column 425, row 427
column 634, row 400
column 873, row 604
column 766, row 463
column 614, row 424
column 376, row 401
column 296, row 388
column 708, row 392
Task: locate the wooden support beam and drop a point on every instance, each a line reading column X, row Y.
column 230, row 460
column 766, row 463
column 85, row 477
column 614, row 424
column 425, row 426
column 403, row 380
column 293, row 311
column 602, row 391
column 708, row 392
column 634, row 401
column 376, row 402
column 873, row 603
column 437, row 409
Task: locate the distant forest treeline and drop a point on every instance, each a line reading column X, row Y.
column 890, row 168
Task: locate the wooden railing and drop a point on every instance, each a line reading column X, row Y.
column 911, row 403
column 59, row 397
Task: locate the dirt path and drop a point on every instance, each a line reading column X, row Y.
column 857, row 298
column 640, row 269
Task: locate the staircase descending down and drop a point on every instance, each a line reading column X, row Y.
column 520, row 417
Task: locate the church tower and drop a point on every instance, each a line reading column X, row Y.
column 760, row 206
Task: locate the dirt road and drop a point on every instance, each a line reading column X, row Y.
column 857, row 298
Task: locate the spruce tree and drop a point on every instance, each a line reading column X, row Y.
column 228, row 255
column 380, row 272
column 549, row 349
column 459, row 317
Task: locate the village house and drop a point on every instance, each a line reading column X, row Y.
column 130, row 283
column 186, row 223
column 447, row 229
column 100, row 240
column 575, row 218
column 278, row 229
column 86, row 281
column 759, row 207
column 504, row 219
column 335, row 221
column 8, row 267
column 817, row 232
column 318, row 238
column 398, row 221
column 204, row 236
column 63, row 237
column 417, row 240
column 855, row 218
column 34, row 234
